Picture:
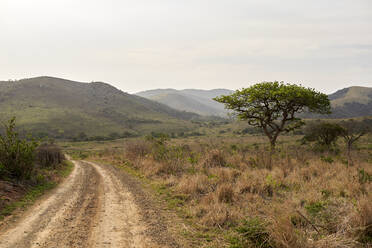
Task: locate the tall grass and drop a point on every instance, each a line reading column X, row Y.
column 307, row 198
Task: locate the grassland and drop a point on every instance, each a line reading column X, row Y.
column 229, row 195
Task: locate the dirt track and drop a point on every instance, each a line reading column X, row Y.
column 95, row 207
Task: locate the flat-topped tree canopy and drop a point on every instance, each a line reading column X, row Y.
column 273, row 106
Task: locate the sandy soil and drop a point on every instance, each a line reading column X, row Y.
column 97, row 206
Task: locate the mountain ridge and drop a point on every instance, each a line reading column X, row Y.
column 64, row 108
column 354, row 101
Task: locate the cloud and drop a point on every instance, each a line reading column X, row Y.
column 144, row 44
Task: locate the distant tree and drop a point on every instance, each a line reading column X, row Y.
column 127, row 134
column 82, row 136
column 272, row 106
column 352, row 131
column 114, row 135
column 324, row 133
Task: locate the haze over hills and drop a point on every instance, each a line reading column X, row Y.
column 191, row 100
column 63, row 108
column 350, row 102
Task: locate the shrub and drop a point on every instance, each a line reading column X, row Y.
column 324, row 133
column 49, row 155
column 327, row 159
column 215, row 158
column 364, row 177
column 17, row 156
column 137, row 149
column 314, row 208
column 253, row 233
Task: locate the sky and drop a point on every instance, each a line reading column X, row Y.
column 146, row 44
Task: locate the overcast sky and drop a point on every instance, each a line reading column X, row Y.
column 144, row 44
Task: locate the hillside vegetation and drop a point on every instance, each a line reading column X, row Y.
column 61, row 108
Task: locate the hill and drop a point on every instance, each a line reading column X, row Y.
column 191, row 100
column 62, row 108
column 351, row 102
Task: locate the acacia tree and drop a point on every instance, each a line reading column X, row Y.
column 272, row 106
column 352, row 131
column 323, row 133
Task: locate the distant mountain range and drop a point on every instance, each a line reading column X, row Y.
column 191, row 100
column 346, row 103
column 63, row 109
column 54, row 107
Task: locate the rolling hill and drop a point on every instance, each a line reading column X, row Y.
column 62, row 108
column 351, row 102
column 346, row 103
column 191, row 100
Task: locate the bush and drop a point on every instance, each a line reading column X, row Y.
column 137, row 149
column 253, row 233
column 49, row 155
column 17, row 156
column 324, row 133
column 215, row 158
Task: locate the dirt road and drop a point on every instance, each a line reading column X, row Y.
column 94, row 207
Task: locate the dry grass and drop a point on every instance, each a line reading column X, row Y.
column 307, row 199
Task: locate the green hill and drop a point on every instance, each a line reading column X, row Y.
column 63, row 109
column 192, row 100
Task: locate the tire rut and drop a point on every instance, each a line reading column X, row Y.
column 97, row 206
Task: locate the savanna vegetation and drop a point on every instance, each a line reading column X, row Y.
column 271, row 180
column 27, row 168
column 307, row 187
column 230, row 195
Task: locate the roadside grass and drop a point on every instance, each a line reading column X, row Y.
column 28, row 199
column 189, row 229
column 36, row 191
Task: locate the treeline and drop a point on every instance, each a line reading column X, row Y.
column 21, row 158
column 82, row 136
column 364, row 124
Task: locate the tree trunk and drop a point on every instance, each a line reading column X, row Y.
column 272, row 146
column 272, row 152
column 349, row 159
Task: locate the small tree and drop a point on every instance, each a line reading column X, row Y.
column 324, row 133
column 272, row 106
column 352, row 131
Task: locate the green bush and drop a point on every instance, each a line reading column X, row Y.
column 314, row 208
column 17, row 156
column 364, row 177
column 327, row 159
column 253, row 233
column 324, row 133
